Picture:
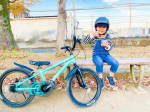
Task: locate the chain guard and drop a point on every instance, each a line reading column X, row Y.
column 39, row 91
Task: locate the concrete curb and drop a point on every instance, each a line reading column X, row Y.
column 105, row 71
column 120, row 73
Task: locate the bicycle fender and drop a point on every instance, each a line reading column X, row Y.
column 70, row 73
column 27, row 69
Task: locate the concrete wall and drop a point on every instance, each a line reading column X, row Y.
column 133, row 32
column 30, row 27
column 87, row 32
column 38, row 32
column 79, row 33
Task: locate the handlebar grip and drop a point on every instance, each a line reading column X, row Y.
column 63, row 47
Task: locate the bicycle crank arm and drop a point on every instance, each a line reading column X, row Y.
column 52, row 84
column 47, row 87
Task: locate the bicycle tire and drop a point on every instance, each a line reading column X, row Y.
column 71, row 84
column 3, row 83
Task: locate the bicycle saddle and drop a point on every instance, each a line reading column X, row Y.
column 39, row 63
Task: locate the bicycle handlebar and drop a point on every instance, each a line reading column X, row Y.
column 65, row 47
column 68, row 48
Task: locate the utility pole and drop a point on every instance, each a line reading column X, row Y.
column 147, row 24
column 130, row 12
column 91, row 23
column 74, row 16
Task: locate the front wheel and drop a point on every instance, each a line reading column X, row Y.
column 84, row 97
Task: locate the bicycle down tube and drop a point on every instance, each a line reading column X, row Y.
column 68, row 61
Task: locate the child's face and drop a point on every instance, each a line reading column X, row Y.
column 101, row 29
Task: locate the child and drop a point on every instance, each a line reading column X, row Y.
column 101, row 49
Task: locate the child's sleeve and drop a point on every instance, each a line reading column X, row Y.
column 87, row 39
column 110, row 43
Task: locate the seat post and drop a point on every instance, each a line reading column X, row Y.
column 39, row 67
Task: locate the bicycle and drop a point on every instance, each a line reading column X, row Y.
column 18, row 85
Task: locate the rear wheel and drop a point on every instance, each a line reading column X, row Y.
column 84, row 97
column 15, row 98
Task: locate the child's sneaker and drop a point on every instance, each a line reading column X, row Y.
column 111, row 80
column 101, row 79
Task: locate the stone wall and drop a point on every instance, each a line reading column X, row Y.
column 132, row 41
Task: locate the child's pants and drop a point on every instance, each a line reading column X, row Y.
column 99, row 59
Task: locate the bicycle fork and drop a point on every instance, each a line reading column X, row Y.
column 79, row 73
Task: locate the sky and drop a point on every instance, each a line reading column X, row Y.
column 119, row 15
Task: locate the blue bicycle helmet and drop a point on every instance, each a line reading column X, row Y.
column 102, row 21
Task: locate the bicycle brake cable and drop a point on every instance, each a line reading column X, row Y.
column 84, row 55
column 78, row 53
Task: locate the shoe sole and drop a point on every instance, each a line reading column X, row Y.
column 109, row 83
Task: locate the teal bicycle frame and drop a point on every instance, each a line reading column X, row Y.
column 67, row 61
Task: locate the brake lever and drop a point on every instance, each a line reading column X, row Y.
column 66, row 50
column 78, row 40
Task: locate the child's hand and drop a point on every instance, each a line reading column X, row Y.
column 96, row 34
column 105, row 45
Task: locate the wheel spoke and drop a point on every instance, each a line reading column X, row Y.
column 79, row 92
column 17, row 98
column 83, row 97
column 20, row 96
column 93, row 91
column 11, row 97
column 89, row 96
